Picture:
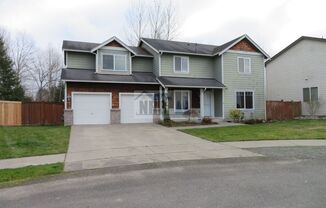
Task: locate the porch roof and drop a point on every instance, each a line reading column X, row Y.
column 183, row 82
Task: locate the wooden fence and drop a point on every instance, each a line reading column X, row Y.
column 280, row 110
column 42, row 113
column 30, row 113
column 10, row 113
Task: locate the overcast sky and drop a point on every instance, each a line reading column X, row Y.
column 272, row 24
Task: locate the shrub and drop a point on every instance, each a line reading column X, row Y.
column 236, row 115
column 206, row 120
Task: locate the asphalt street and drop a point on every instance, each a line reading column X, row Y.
column 289, row 178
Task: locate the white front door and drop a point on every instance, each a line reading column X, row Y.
column 136, row 107
column 208, row 104
column 91, row 108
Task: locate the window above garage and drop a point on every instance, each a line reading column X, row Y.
column 114, row 62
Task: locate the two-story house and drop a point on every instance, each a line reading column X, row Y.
column 112, row 82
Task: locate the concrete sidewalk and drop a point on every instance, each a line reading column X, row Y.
column 27, row 161
column 275, row 143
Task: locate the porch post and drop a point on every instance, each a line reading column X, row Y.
column 166, row 102
column 202, row 103
column 161, row 107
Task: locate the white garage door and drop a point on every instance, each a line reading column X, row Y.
column 136, row 107
column 92, row 108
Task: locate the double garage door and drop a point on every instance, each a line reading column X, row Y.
column 95, row 108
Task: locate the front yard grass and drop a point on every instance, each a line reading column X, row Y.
column 294, row 129
column 15, row 176
column 24, row 141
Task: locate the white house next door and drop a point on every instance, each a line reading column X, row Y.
column 208, row 104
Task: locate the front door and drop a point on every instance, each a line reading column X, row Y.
column 208, row 103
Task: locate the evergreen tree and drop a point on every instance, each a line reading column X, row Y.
column 10, row 87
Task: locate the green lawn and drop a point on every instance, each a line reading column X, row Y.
column 18, row 175
column 294, row 129
column 33, row 140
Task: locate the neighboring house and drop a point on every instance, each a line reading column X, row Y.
column 298, row 73
column 112, row 82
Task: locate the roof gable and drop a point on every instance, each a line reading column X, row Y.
column 238, row 43
column 113, row 42
column 293, row 44
column 244, row 45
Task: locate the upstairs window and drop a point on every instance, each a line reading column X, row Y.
column 181, row 64
column 114, row 62
column 310, row 94
column 245, row 99
column 244, row 65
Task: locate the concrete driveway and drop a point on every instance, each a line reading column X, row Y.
column 98, row 146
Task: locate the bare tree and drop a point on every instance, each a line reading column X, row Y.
column 22, row 51
column 313, row 107
column 171, row 25
column 136, row 21
column 46, row 73
column 156, row 19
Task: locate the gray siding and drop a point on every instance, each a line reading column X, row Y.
column 142, row 64
column 199, row 67
column 235, row 81
column 80, row 60
column 303, row 65
column 111, row 51
column 156, row 59
column 218, row 103
column 218, row 68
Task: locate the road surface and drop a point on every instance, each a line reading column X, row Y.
column 289, row 178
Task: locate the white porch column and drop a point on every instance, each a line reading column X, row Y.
column 202, row 113
column 166, row 100
column 161, row 100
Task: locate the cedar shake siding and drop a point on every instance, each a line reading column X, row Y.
column 244, row 45
column 115, row 89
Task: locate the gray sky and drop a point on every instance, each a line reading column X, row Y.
column 272, row 24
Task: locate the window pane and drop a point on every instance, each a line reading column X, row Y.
column 246, row 65
column 249, row 100
column 108, row 62
column 184, row 64
column 185, row 103
column 306, row 95
column 241, row 64
column 120, row 63
column 178, row 100
column 177, row 64
column 314, row 93
column 240, row 99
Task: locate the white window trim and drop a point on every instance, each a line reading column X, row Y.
column 238, row 65
column 310, row 93
column 253, row 99
column 181, row 72
column 174, row 100
column 114, row 55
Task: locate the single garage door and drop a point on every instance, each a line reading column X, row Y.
column 136, row 107
column 91, row 108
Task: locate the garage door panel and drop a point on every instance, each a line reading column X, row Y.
column 137, row 108
column 91, row 108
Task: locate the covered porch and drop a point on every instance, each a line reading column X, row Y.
column 191, row 98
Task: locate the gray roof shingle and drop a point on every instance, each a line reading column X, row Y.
column 87, row 47
column 190, row 82
column 89, row 75
column 186, row 47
